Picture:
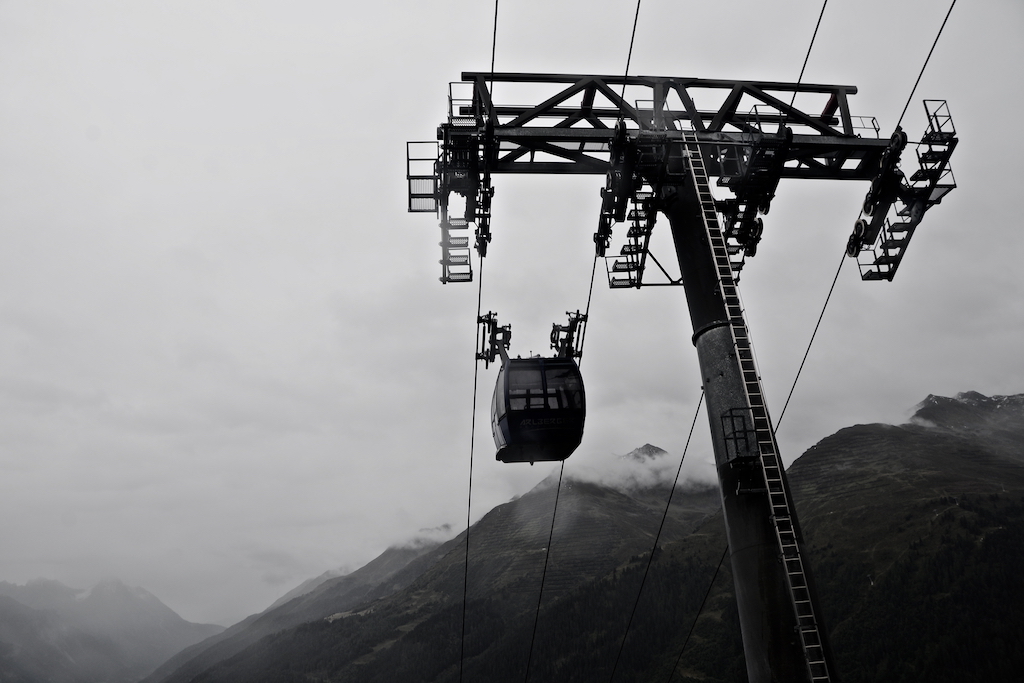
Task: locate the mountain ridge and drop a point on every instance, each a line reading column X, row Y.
column 506, row 550
column 397, row 564
column 115, row 632
column 889, row 513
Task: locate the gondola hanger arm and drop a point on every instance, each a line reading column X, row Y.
column 567, row 340
column 494, row 339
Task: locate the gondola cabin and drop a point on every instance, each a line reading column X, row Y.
column 538, row 409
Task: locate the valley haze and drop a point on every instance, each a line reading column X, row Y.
column 914, row 533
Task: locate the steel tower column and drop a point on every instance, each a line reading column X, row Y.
column 775, row 633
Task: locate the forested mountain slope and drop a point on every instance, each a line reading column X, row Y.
column 915, row 534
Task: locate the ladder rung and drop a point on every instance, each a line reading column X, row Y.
column 873, row 275
column 926, row 174
column 935, row 156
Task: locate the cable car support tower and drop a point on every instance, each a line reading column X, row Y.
column 658, row 151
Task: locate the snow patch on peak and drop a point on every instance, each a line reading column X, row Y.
column 971, row 398
column 966, row 410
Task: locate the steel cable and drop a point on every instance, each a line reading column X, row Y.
column 586, row 314
column 476, row 378
column 807, row 56
column 699, row 610
column 472, row 448
column 925, row 65
column 838, row 270
column 544, row 572
column 629, row 55
column 657, row 538
column 808, row 350
column 583, row 338
column 811, row 342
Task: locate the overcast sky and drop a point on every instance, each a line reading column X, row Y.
column 227, row 365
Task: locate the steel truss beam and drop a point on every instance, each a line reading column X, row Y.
column 569, row 131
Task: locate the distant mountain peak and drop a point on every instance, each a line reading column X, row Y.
column 112, row 632
column 40, row 582
column 967, row 410
column 42, row 593
column 646, row 467
column 973, row 397
column 645, row 453
column 115, row 589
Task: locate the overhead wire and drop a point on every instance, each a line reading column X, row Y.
column 693, row 424
column 841, row 263
column 494, row 43
column 700, row 609
column 586, row 313
column 811, row 341
column 671, row 493
column 590, row 294
column 844, row 257
column 925, row 65
column 625, row 75
column 558, row 489
column 657, row 537
column 629, row 55
column 544, row 571
column 838, row 270
column 472, row 448
column 476, row 377
column 807, row 56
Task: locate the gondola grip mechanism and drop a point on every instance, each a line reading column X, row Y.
column 494, row 339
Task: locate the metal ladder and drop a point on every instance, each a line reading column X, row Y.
column 632, row 259
column 771, row 467
column 455, row 255
column 928, row 185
